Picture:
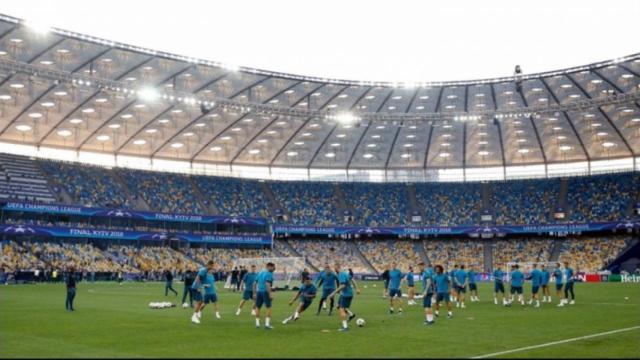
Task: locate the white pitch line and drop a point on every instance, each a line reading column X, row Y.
column 556, row 342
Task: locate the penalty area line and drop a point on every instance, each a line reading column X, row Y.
column 556, row 342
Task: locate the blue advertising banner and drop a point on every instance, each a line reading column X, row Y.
column 71, row 232
column 458, row 230
column 131, row 214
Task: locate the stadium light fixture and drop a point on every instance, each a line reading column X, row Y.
column 38, row 27
column 148, row 94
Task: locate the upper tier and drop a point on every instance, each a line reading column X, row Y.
column 65, row 90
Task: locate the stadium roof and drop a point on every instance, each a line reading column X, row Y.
column 65, row 90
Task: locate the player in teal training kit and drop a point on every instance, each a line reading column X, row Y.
column 517, row 281
column 460, row 281
column 473, row 288
column 395, row 294
column 247, row 282
column 557, row 275
column 262, row 288
column 536, row 281
column 346, row 296
column 498, row 286
column 546, row 277
column 443, row 290
column 197, row 287
column 427, row 293
column 306, row 294
column 568, row 286
column 329, row 281
column 210, row 294
column 411, row 286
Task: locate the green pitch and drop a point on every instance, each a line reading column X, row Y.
column 115, row 321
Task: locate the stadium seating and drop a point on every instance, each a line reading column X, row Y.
column 233, row 196
column 592, row 254
column 377, row 204
column 308, row 203
column 163, row 192
column 21, row 179
column 449, row 204
column 321, row 252
column 538, row 197
column 521, row 251
column 602, row 197
column 90, row 186
column 455, row 252
column 381, row 253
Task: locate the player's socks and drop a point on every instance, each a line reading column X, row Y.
column 430, row 318
column 345, row 325
column 194, row 319
column 437, row 313
column 390, row 310
column 257, row 323
column 457, row 304
column 267, row 322
column 217, row 315
column 352, row 316
column 495, row 301
column 296, row 315
column 449, row 314
column 462, row 305
column 238, row 312
column 537, row 303
column 253, row 312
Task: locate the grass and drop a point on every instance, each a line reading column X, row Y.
column 114, row 321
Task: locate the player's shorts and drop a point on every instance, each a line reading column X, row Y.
column 461, row 289
column 498, row 288
column 395, row 293
column 473, row 287
column 344, row 302
column 442, row 297
column 327, row 292
column 262, row 297
column 386, row 284
column 568, row 286
column 210, row 298
column 535, row 289
column 247, row 295
column 305, row 304
column 426, row 301
column 516, row 290
column 545, row 286
column 558, row 287
column 197, row 295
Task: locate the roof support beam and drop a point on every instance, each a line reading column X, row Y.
column 568, row 118
column 613, row 125
column 426, row 155
column 611, row 83
column 393, row 144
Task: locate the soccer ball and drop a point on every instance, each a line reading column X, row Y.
column 360, row 322
column 185, row 305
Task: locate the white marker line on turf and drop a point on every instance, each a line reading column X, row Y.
column 556, row 343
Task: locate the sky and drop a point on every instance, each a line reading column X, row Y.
column 393, row 40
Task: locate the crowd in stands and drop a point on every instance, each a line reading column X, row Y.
column 226, row 258
column 585, row 254
column 521, row 251
column 377, row 204
column 449, row 204
column 306, row 202
column 381, row 253
column 593, row 198
column 592, row 254
column 602, row 197
column 88, row 185
column 455, row 252
column 233, row 196
column 321, row 252
column 163, row 192
column 537, row 197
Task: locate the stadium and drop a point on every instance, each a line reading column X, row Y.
column 143, row 185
